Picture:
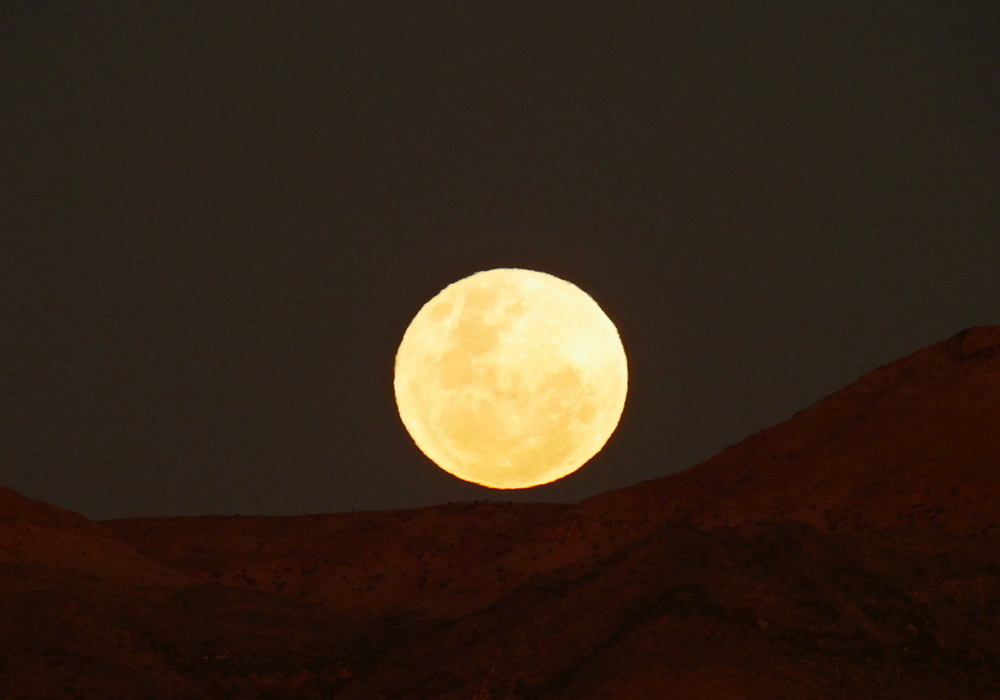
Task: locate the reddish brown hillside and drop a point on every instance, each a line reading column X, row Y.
column 15, row 508
column 776, row 611
column 852, row 551
column 915, row 443
column 439, row 561
column 83, row 616
column 40, row 542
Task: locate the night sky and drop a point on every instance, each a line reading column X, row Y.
column 217, row 220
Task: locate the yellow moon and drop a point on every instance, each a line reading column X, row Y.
column 511, row 378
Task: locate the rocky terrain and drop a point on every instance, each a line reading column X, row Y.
column 852, row 551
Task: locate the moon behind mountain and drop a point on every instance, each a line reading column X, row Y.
column 511, row 378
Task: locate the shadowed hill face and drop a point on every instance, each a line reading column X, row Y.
column 915, row 443
column 852, row 551
column 84, row 616
column 15, row 508
column 41, row 545
column 439, row 561
column 777, row 611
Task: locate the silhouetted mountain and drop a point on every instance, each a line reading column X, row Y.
column 915, row 443
column 850, row 552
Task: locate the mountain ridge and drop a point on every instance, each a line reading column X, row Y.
column 851, row 551
column 890, row 441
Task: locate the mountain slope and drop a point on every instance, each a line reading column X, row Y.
column 40, row 542
column 915, row 443
column 437, row 562
column 852, row 551
column 778, row 610
column 85, row 616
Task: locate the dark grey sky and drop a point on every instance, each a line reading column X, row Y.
column 217, row 219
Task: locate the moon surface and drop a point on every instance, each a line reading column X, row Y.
column 511, row 378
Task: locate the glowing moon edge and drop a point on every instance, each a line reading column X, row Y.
column 511, row 378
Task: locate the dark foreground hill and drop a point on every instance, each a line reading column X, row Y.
column 850, row 552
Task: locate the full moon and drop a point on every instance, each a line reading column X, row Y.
column 511, row 378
